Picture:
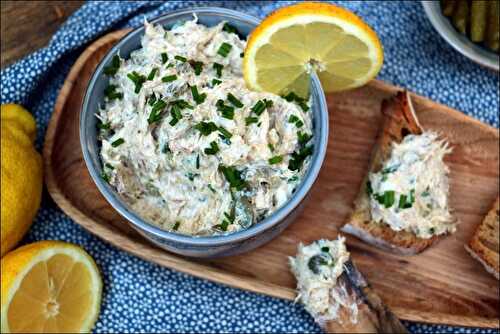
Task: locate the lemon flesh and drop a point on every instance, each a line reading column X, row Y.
column 49, row 286
column 296, row 40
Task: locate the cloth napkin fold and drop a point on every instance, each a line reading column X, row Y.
column 144, row 297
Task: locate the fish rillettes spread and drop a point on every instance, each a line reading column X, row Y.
column 187, row 146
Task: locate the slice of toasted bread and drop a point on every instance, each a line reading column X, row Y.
column 399, row 121
column 484, row 245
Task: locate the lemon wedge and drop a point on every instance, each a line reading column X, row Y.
column 49, row 286
column 296, row 40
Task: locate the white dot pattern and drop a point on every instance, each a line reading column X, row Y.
column 143, row 297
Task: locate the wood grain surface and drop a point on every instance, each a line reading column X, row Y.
column 29, row 25
column 442, row 285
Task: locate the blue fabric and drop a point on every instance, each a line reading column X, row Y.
column 140, row 296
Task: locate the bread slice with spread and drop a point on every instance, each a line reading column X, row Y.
column 484, row 245
column 402, row 205
column 336, row 294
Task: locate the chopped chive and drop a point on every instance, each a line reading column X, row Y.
column 118, row 142
column 111, row 93
column 104, row 126
column 197, row 66
column 268, row 103
column 180, row 58
column 218, row 69
column 165, row 149
column 293, row 119
column 229, row 28
column 275, row 160
column 412, row 196
column 216, row 82
column 170, row 65
column 152, row 100
column 303, row 138
column 197, row 97
column 156, row 111
column 176, row 114
column 325, row 249
column 271, row 147
column 233, row 176
column 198, row 161
column 259, row 107
column 211, row 188
column 290, row 97
column 182, row 104
column 223, row 226
column 299, row 124
column 226, row 134
column 152, row 74
column 294, row 178
column 242, row 54
column 234, row 101
column 213, row 149
column 404, row 203
column 227, row 111
column 369, row 189
column 108, row 165
column 105, row 177
column 169, row 78
column 303, row 105
column 113, row 67
column 176, row 226
column 251, row 120
column 191, row 176
column 388, row 198
column 164, row 58
column 224, row 49
column 298, row 157
column 159, row 105
column 206, row 128
column 137, row 79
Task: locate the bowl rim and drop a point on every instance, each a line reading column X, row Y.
column 460, row 43
column 215, row 240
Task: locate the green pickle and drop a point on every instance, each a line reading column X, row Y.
column 460, row 16
column 478, row 20
column 492, row 33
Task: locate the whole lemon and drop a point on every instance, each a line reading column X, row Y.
column 21, row 183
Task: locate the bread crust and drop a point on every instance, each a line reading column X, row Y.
column 399, row 121
column 484, row 245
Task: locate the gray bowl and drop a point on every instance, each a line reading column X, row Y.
column 459, row 42
column 211, row 246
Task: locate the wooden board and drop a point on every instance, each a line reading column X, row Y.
column 443, row 285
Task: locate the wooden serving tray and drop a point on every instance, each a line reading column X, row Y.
column 443, row 285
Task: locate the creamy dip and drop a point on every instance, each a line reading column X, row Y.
column 411, row 190
column 187, row 146
column 317, row 268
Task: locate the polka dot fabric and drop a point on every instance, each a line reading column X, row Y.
column 144, row 297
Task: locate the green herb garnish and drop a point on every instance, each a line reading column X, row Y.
column 234, row 101
column 197, row 97
column 156, row 111
column 325, row 249
column 113, row 67
column 182, row 104
column 176, row 226
column 218, row 69
column 111, row 93
column 233, row 176
column 216, row 82
column 226, row 134
column 213, row 149
column 137, row 79
column 229, row 219
column 369, row 189
column 303, row 138
column 224, row 49
column 227, row 111
column 108, row 165
column 164, row 58
column 242, row 54
column 275, row 160
column 293, row 119
column 197, row 66
column 229, row 28
column 181, row 59
column 169, row 78
column 152, row 74
column 105, row 177
column 258, row 107
column 298, row 157
column 206, row 128
column 271, row 147
column 387, row 199
column 250, row 120
column 175, row 111
column 211, row 188
column 104, row 126
column 118, row 142
column 152, row 100
column 292, row 97
column 198, row 161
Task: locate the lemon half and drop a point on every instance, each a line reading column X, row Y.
column 49, row 286
column 293, row 41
